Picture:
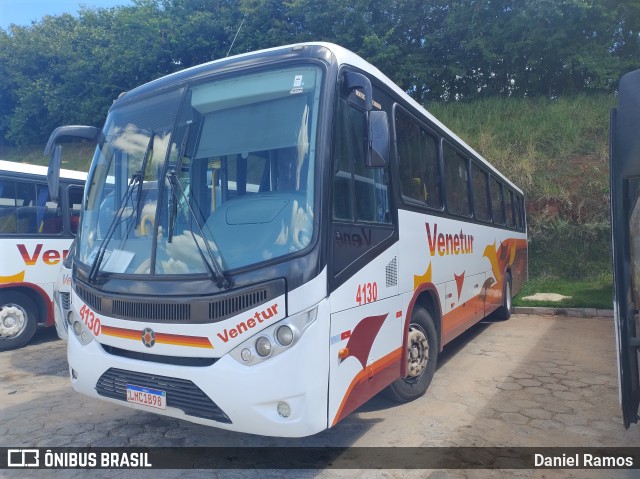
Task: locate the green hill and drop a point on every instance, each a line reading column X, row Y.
column 557, row 152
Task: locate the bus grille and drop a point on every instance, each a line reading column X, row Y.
column 93, row 300
column 65, row 301
column 155, row 311
column 230, row 306
column 181, row 393
column 391, row 271
column 159, row 358
column 178, row 309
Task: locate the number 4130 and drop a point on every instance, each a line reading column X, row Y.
column 367, row 293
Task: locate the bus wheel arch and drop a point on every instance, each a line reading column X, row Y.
column 428, row 299
column 18, row 318
column 504, row 311
column 420, row 355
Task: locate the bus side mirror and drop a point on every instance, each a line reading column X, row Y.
column 54, row 150
column 377, row 122
column 378, row 136
column 53, row 173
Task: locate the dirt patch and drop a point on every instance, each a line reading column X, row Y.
column 546, row 297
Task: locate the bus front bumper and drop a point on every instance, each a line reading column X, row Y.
column 253, row 399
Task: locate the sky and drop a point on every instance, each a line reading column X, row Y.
column 23, row 12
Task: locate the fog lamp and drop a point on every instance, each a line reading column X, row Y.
column 70, row 317
column 284, row 410
column 263, row 346
column 77, row 328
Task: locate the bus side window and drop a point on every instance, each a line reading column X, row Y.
column 508, row 201
column 431, row 170
column 480, row 194
column 411, row 174
column 48, row 213
column 26, row 207
column 7, row 207
column 371, row 185
column 418, row 161
column 497, row 206
column 519, row 213
column 456, row 179
column 75, row 204
column 342, row 180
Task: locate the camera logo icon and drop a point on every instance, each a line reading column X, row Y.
column 23, row 458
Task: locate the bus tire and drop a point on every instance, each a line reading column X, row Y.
column 18, row 320
column 504, row 312
column 422, row 356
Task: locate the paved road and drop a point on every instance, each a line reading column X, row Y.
column 530, row 381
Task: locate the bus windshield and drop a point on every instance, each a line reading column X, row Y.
column 205, row 178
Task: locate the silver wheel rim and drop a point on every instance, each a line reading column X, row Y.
column 508, row 293
column 417, row 352
column 13, row 320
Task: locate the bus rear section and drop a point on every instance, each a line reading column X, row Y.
column 36, row 231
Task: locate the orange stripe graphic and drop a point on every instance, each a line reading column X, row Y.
column 161, row 338
column 16, row 278
column 385, row 361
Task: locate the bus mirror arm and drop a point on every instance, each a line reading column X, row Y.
column 54, row 150
column 53, row 173
column 68, row 133
column 353, row 81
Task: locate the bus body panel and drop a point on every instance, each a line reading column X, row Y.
column 366, row 335
column 465, row 262
column 62, row 300
column 33, row 261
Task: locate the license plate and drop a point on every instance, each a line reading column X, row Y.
column 146, row 396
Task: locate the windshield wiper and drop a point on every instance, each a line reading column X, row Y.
column 136, row 180
column 117, row 219
column 173, row 201
column 215, row 270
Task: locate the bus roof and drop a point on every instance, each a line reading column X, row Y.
column 28, row 169
column 342, row 57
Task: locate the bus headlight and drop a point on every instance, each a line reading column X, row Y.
column 275, row 339
column 284, row 335
column 263, row 346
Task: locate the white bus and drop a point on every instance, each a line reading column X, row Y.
column 269, row 240
column 35, row 233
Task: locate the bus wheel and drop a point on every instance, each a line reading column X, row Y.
column 422, row 355
column 18, row 320
column 504, row 311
